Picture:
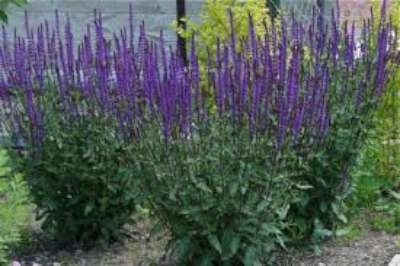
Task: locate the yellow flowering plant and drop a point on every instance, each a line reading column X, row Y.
column 219, row 18
column 216, row 23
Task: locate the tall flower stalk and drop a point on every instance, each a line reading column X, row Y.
column 286, row 81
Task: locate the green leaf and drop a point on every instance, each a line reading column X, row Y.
column 206, row 260
column 233, row 188
column 343, row 218
column 251, row 257
column 282, row 213
column 213, row 240
column 235, row 245
column 183, row 247
column 323, row 233
column 394, row 194
column 191, row 211
column 340, row 215
column 262, row 205
column 343, row 231
column 3, row 16
column 304, row 187
column 271, row 229
column 203, row 187
column 19, row 3
column 230, row 244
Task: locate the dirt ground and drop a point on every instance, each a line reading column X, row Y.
column 370, row 249
column 373, row 249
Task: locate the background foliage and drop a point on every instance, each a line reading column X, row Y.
column 379, row 169
column 387, row 131
column 377, row 176
column 217, row 24
column 5, row 3
column 14, row 210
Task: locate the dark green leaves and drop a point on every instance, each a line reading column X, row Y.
column 19, row 3
column 231, row 242
column 5, row 3
column 220, row 191
column 78, row 181
column 3, row 16
column 251, row 257
column 214, row 242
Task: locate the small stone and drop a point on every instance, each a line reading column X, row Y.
column 395, row 261
column 15, row 263
column 56, row 264
column 321, row 264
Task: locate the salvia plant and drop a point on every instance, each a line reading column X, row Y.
column 260, row 162
column 291, row 69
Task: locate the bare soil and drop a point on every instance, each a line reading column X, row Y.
column 370, row 249
column 373, row 249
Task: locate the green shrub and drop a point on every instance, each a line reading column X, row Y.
column 79, row 182
column 386, row 216
column 318, row 210
column 219, row 194
column 14, row 212
column 369, row 185
column 77, row 176
column 378, row 171
column 388, row 134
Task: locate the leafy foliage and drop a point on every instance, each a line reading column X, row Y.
column 219, row 195
column 386, row 217
column 79, row 179
column 383, row 151
column 221, row 21
column 14, row 212
column 378, row 172
column 394, row 10
column 5, row 3
column 387, row 133
column 218, row 24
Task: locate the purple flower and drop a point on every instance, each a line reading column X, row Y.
column 267, row 86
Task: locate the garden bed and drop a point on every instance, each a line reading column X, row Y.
column 249, row 152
